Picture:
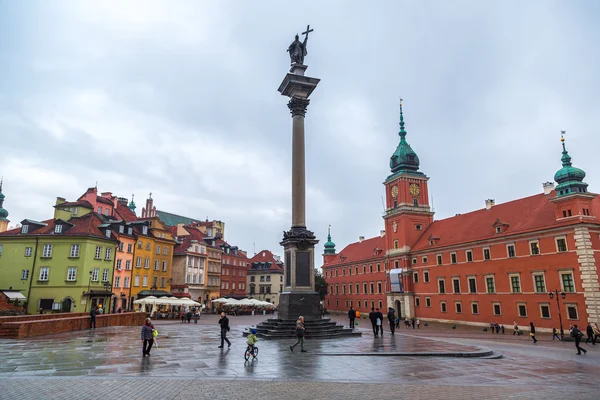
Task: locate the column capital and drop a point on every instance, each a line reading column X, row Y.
column 298, row 105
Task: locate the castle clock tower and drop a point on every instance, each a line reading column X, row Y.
column 408, row 213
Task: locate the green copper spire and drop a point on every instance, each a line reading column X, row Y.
column 3, row 212
column 404, row 159
column 329, row 246
column 132, row 204
column 569, row 178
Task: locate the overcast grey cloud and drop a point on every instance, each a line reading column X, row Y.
column 180, row 99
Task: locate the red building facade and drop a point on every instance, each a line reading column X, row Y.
column 498, row 264
column 234, row 267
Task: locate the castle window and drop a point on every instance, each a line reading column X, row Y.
column 416, row 202
column 561, row 245
column 395, row 244
column 486, row 254
column 418, row 227
column 416, row 277
column 443, row 306
column 469, row 256
column 439, row 259
column 535, row 247
column 453, row 258
column 511, row 250
column 498, row 229
column 426, row 276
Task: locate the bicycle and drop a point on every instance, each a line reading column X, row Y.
column 251, row 351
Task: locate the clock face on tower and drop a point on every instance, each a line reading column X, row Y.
column 394, row 191
column 414, row 189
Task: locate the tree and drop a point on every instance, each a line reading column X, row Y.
column 320, row 284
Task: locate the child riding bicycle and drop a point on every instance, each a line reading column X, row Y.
column 252, row 339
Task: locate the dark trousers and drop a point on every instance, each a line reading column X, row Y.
column 392, row 327
column 224, row 337
column 579, row 348
column 147, row 346
column 380, row 328
column 592, row 339
column 352, row 323
column 375, row 329
column 92, row 322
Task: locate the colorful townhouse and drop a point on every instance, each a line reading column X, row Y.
column 265, row 277
column 534, row 259
column 189, row 264
column 234, row 268
column 60, row 264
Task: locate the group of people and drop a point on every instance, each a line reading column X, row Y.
column 188, row 314
column 496, row 328
column 376, row 318
column 592, row 332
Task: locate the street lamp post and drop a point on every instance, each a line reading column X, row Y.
column 89, row 299
column 558, row 296
column 153, row 288
column 107, row 288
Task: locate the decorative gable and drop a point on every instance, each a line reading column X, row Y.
column 433, row 240
column 500, row 227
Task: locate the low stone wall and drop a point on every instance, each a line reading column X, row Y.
column 35, row 317
column 47, row 326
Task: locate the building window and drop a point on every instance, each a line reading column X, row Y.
column 147, row 263
column 145, row 281
column 156, row 265
column 365, row 288
column 415, row 277
column 343, row 289
column 491, row 287
column 416, row 202
column 128, row 265
column 472, row 285
column 119, row 264
column 47, row 251
column 364, row 269
column 140, row 245
column 44, row 272
column 395, row 244
column 136, row 281
column 418, row 227
column 441, row 286
column 515, row 283
column 74, row 251
column 98, row 252
column 129, row 248
column 417, row 302
column 166, row 251
column 458, row 307
column 498, row 229
column 497, row 310
column 120, row 246
column 396, row 264
column 371, row 268
column 534, row 246
column 511, row 250
column 561, row 245
column 164, row 265
column 453, row 258
column 117, row 281
column 356, row 271
column 58, row 229
column 126, row 282
column 28, row 251
column 349, row 288
column 443, row 306
column 486, row 254
column 107, row 253
column 456, row 285
column 545, row 311
column 157, row 249
column 572, row 311
column 469, row 254
column 425, row 260
column 540, row 284
column 439, row 259
column 25, row 274
column 357, row 288
column 474, row 308
column 522, row 309
column 95, row 273
column 99, row 210
column 566, row 279
column 426, row 276
column 138, row 262
column 148, row 246
column 380, row 305
column 428, row 302
column 145, row 231
column 108, row 233
column 414, row 261
column 105, row 275
column 372, row 288
column 378, row 287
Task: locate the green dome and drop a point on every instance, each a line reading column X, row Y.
column 569, row 178
column 3, row 212
column 329, row 245
column 404, row 159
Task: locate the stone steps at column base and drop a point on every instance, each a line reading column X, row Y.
column 286, row 329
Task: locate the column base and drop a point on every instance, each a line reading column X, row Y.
column 293, row 305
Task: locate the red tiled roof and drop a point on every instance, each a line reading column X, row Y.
column 522, row 215
column 104, row 200
column 125, row 213
column 267, row 257
column 80, row 203
column 82, row 226
column 359, row 251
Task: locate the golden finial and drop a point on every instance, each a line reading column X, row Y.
column 562, row 136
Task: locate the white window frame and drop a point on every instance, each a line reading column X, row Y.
column 147, row 263
column 126, row 282
column 74, row 251
column 117, row 281
column 127, row 265
column 136, row 281
column 138, row 262
column 469, row 284
column 24, row 274
column 549, row 311
column 107, row 253
column 145, row 281
column 519, row 304
column 119, row 264
column 574, row 305
column 508, row 251
column 145, row 230
column 98, row 253
column 562, row 284
column 537, row 242
column 44, row 274
column 157, row 249
column 28, row 251
column 427, row 302
column 108, row 232
column 424, row 259
column 475, row 303
column 156, row 265
column 165, row 251
column 455, row 261
column 456, row 279
column 556, row 239
column 58, row 229
column 533, row 275
column 483, row 253
column 72, row 274
column 467, row 252
column 439, row 259
column 47, row 252
column 443, row 305
column 486, row 284
column 95, row 274
column 494, row 304
column 438, row 286
column 510, row 276
column 426, row 275
column 25, row 229
column 456, row 304
column 164, row 265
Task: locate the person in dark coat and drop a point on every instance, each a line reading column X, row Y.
column 532, row 332
column 578, row 335
column 93, row 313
column 373, row 319
column 147, row 337
column 351, row 317
column 412, row 321
column 379, row 324
column 392, row 319
column 224, row 322
column 590, row 334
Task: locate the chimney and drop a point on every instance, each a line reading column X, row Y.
column 548, row 187
column 60, row 200
column 382, row 233
column 489, row 203
column 361, row 238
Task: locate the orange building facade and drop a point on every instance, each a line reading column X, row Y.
column 497, row 264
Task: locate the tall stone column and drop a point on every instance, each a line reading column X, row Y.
column 299, row 296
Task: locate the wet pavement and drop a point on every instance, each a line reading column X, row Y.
column 187, row 357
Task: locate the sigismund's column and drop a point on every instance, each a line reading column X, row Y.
column 298, row 297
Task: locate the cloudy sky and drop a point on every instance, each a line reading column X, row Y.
column 180, row 99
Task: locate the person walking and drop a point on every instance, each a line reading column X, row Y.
column 392, row 319
column 379, row 320
column 578, row 335
column 502, row 328
column 224, row 322
column 93, row 312
column 412, row 321
column 196, row 316
column 300, row 330
column 182, row 317
column 515, row 328
column 590, row 334
column 147, row 337
column 351, row 317
column 532, row 332
column 373, row 319
column 418, row 324
column 596, row 331
column 555, row 334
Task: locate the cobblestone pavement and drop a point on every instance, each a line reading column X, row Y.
column 187, row 363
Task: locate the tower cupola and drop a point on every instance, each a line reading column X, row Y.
column 569, row 178
column 132, row 204
column 329, row 245
column 404, row 159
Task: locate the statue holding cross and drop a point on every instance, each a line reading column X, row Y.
column 297, row 49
